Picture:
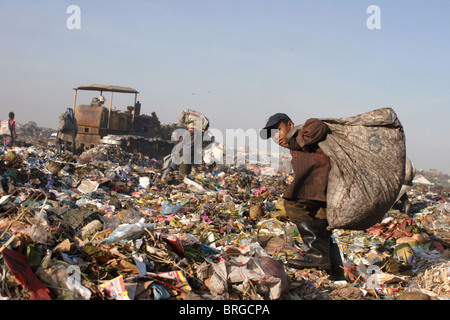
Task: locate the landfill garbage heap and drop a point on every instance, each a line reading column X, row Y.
column 104, row 225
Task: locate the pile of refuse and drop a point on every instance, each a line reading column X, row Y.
column 30, row 134
column 107, row 224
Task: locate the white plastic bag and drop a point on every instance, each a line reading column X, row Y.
column 4, row 128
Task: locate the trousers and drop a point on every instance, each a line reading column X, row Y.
column 302, row 210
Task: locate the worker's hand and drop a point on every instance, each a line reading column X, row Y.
column 292, row 144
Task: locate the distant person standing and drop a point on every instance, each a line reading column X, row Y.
column 67, row 131
column 196, row 124
column 8, row 140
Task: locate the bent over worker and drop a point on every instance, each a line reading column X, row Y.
column 67, row 131
column 305, row 197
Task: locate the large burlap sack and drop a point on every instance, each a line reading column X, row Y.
column 367, row 155
column 67, row 122
column 191, row 116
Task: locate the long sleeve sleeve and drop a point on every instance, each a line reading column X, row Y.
column 313, row 131
column 310, row 164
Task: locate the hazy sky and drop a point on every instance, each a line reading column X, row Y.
column 237, row 61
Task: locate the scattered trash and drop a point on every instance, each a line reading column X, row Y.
column 115, row 289
column 104, row 225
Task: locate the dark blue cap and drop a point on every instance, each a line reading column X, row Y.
column 271, row 122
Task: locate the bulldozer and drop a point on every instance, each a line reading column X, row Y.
column 96, row 121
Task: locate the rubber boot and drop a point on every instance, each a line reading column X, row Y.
column 407, row 208
column 318, row 240
column 337, row 265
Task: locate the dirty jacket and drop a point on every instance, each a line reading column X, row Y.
column 309, row 163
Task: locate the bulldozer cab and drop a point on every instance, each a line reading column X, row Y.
column 95, row 120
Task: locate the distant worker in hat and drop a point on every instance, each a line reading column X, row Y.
column 305, row 197
column 95, row 102
column 101, row 100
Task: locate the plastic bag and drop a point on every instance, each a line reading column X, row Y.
column 127, row 230
column 167, row 208
column 194, row 186
column 4, row 128
column 64, row 280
